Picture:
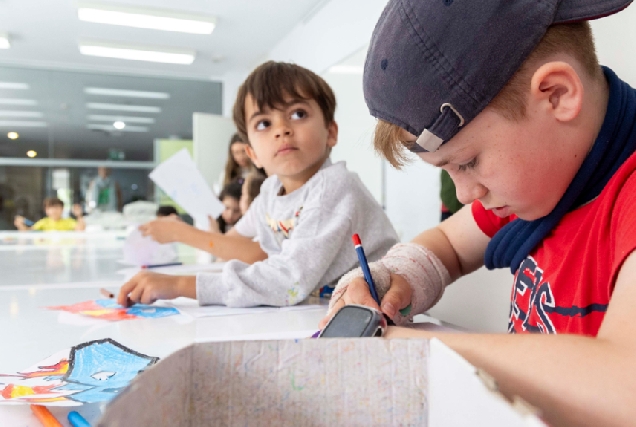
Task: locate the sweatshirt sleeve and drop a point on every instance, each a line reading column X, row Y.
column 283, row 279
column 246, row 226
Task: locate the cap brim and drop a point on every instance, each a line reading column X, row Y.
column 570, row 11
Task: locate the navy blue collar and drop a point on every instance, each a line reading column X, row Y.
column 615, row 143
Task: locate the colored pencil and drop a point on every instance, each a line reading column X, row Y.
column 168, row 264
column 45, row 416
column 77, row 420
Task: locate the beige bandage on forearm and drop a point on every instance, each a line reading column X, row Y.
column 420, row 267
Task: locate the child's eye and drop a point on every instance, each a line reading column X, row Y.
column 262, row 124
column 298, row 114
column 469, row 165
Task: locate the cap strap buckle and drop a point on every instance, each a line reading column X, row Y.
column 430, row 142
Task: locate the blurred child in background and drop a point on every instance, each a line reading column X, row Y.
column 165, row 211
column 53, row 207
column 238, row 164
column 251, row 189
column 230, row 197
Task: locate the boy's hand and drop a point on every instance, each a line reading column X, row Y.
column 18, row 221
column 147, row 287
column 398, row 295
column 163, row 230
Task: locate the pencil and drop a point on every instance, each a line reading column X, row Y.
column 367, row 274
column 365, row 267
column 168, row 264
column 45, row 416
column 106, row 293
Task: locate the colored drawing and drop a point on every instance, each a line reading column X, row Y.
column 94, row 371
column 109, row 310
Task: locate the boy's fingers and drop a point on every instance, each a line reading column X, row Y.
column 135, row 294
column 397, row 297
column 122, row 298
column 358, row 293
column 147, row 296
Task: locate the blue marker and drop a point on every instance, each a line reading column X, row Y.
column 168, row 264
column 76, row 420
column 365, row 267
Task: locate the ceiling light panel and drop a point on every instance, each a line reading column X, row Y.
column 18, row 101
column 155, row 19
column 125, row 119
column 125, row 93
column 22, row 123
column 29, row 114
column 13, row 85
column 123, row 107
column 137, row 53
column 112, row 128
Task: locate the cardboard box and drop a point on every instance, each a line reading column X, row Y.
column 319, row 382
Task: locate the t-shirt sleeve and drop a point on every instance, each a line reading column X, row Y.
column 40, row 225
column 286, row 278
column 624, row 224
column 487, row 221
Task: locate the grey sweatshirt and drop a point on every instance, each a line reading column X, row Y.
column 307, row 237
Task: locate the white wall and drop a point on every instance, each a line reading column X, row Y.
column 210, row 138
column 334, row 33
column 356, row 132
column 615, row 38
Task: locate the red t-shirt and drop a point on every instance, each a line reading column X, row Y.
column 566, row 282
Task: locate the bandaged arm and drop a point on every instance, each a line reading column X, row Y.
column 432, row 261
column 424, row 272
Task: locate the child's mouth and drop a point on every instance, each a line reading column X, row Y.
column 502, row 211
column 286, row 149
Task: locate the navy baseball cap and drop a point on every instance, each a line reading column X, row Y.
column 434, row 65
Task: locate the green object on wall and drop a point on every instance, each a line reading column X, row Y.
column 164, row 149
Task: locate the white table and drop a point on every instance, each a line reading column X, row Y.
column 37, row 272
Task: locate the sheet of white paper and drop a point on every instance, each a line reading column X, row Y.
column 180, row 179
column 280, row 335
column 191, row 307
column 140, row 250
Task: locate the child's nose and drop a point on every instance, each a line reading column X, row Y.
column 468, row 192
column 283, row 129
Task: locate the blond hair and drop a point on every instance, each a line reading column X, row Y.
column 573, row 39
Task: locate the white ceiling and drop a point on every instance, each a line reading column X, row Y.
column 45, row 33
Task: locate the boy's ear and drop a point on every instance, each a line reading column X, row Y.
column 332, row 134
column 252, row 155
column 557, row 88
